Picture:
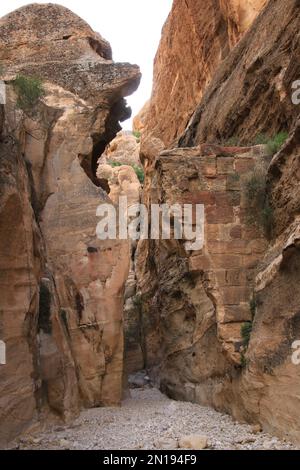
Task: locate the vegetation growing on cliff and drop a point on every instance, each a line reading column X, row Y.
column 273, row 143
column 259, row 208
column 29, row 91
column 137, row 135
column 246, row 331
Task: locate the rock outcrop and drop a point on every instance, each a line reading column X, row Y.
column 62, row 288
column 194, row 305
column 197, row 36
column 251, row 92
column 124, row 149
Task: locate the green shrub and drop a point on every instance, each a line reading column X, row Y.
column 275, row 144
column 115, row 164
column 139, row 173
column 244, row 361
column 29, row 91
column 259, row 209
column 246, row 330
column 137, row 135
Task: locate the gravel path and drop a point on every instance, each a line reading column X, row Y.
column 149, row 420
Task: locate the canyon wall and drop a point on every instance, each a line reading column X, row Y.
column 197, row 36
column 62, row 289
column 195, row 304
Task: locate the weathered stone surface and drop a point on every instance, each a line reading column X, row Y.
column 139, row 121
column 251, row 92
column 195, row 304
column 123, row 181
column 197, row 36
column 125, row 149
column 19, row 268
column 272, row 379
column 201, row 291
column 61, row 311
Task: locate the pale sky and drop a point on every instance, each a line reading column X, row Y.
column 133, row 28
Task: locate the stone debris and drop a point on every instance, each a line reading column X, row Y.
column 151, row 421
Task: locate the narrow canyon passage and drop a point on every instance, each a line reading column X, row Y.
column 149, row 420
column 118, row 330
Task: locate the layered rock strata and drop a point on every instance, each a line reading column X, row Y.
column 196, row 38
column 62, row 302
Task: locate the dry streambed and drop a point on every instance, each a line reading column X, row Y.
column 149, row 420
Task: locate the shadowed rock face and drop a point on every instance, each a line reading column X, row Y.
column 62, row 303
column 194, row 305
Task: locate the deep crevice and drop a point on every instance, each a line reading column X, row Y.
column 119, row 112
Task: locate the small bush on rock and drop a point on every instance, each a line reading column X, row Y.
column 29, row 91
column 259, row 209
column 137, row 135
column 273, row 143
column 246, row 331
column 139, row 173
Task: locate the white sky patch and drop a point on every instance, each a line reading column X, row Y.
column 133, row 28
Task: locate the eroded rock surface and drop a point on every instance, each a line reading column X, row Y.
column 251, row 92
column 124, row 149
column 122, row 181
column 62, row 302
column 194, row 305
column 197, row 36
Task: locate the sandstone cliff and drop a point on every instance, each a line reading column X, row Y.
column 197, row 36
column 62, row 289
column 251, row 91
column 195, row 305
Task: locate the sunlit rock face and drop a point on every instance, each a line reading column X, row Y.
column 61, row 309
column 124, row 149
column 251, row 92
column 197, row 36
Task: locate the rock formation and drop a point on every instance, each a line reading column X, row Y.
column 125, row 149
column 123, row 181
column 216, row 326
column 259, row 72
column 62, row 288
column 197, row 36
column 195, row 304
